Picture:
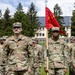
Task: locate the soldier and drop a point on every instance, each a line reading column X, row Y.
column 57, row 54
column 72, row 56
column 16, row 52
column 2, row 67
column 37, row 57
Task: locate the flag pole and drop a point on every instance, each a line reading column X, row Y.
column 46, row 38
column 47, row 50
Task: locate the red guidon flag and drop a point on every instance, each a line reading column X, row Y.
column 51, row 20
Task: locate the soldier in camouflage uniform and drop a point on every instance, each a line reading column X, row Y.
column 73, row 51
column 72, row 55
column 16, row 52
column 37, row 57
column 57, row 54
column 2, row 67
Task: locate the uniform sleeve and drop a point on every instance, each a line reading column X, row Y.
column 28, row 41
column 73, row 55
column 5, row 52
column 30, row 57
column 41, row 56
column 29, row 49
column 67, row 55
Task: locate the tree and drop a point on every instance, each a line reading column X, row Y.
column 33, row 21
column 58, row 13
column 19, row 14
column 0, row 14
column 0, row 23
column 6, row 24
column 73, row 24
column 20, row 8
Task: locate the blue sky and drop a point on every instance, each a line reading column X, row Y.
column 67, row 6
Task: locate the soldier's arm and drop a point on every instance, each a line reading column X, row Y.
column 5, row 57
column 5, row 52
column 28, row 44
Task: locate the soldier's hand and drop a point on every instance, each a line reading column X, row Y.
column 29, row 70
column 65, row 70
column 46, row 70
column 6, row 69
column 74, row 65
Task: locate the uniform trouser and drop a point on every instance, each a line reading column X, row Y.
column 2, row 70
column 36, row 71
column 17, row 73
column 56, row 71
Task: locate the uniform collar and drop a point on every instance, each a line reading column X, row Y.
column 56, row 41
column 19, row 38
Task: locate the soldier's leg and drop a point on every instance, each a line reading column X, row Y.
column 2, row 71
column 24, row 73
column 51, row 71
column 37, row 71
column 59, row 71
column 10, row 73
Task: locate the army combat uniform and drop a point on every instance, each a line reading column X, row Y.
column 2, row 67
column 16, row 55
column 37, row 58
column 58, row 57
column 72, row 59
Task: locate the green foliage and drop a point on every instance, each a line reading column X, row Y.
column 59, row 18
column 20, row 8
column 42, row 70
column 6, row 15
column 42, row 43
column 29, row 21
column 5, row 24
column 73, row 24
column 19, row 14
column 33, row 21
column 67, row 73
column 49, row 33
column 58, row 13
column 57, row 10
column 0, row 14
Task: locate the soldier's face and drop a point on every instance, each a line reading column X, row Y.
column 55, row 33
column 17, row 30
column 72, row 41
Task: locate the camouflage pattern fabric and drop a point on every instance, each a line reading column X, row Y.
column 16, row 54
column 37, row 58
column 72, row 58
column 58, row 56
column 17, row 73
column 73, row 53
column 2, row 67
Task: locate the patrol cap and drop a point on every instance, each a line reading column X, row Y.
column 33, row 39
column 17, row 24
column 4, row 37
column 0, row 38
column 55, row 29
column 72, row 37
